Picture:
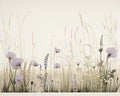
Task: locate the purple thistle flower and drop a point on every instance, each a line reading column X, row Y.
column 57, row 50
column 18, row 78
column 35, row 64
column 10, row 55
column 112, row 52
column 57, row 66
column 16, row 63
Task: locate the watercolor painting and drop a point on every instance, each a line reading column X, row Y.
column 59, row 46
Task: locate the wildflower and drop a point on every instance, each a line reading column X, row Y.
column 46, row 61
column 57, row 50
column 57, row 66
column 10, row 55
column 16, row 63
column 18, row 78
column 35, row 64
column 112, row 52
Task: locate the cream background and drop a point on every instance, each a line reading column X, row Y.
column 49, row 18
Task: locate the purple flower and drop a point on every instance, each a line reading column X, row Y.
column 16, row 63
column 57, row 66
column 112, row 52
column 18, row 78
column 57, row 50
column 10, row 55
column 35, row 64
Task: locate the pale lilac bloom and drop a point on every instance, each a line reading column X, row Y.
column 57, row 50
column 35, row 63
column 10, row 55
column 16, row 63
column 18, row 78
column 57, row 66
column 112, row 52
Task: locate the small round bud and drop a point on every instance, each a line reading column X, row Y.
column 31, row 82
column 101, row 49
